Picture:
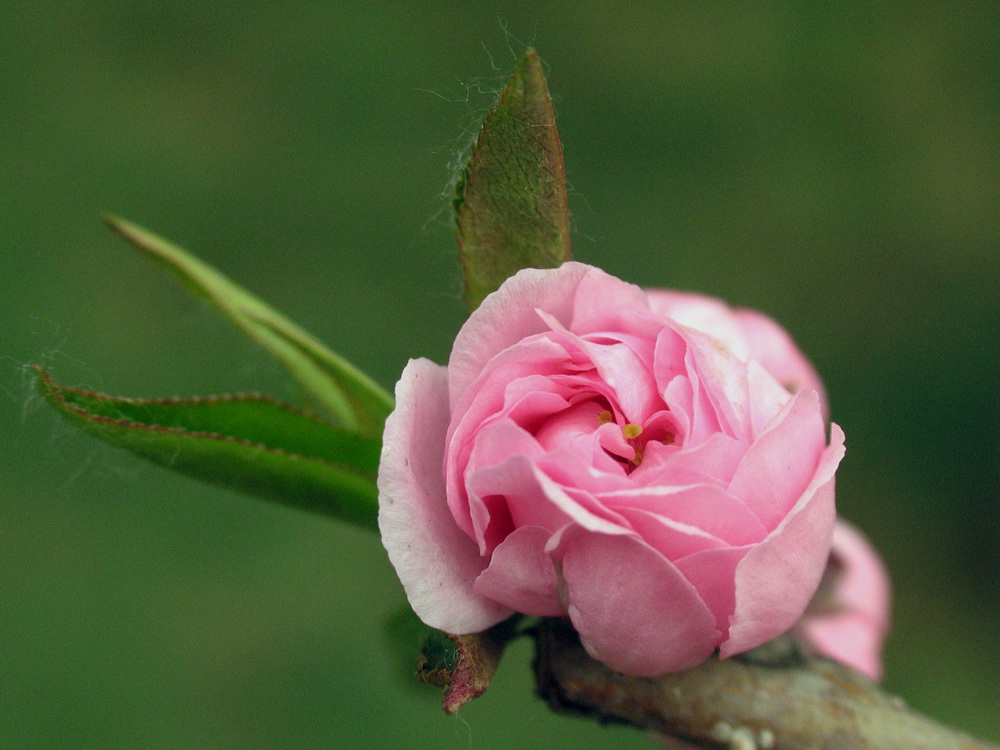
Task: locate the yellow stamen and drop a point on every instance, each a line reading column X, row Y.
column 603, row 417
column 631, row 431
column 668, row 440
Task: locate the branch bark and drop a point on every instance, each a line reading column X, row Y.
column 738, row 704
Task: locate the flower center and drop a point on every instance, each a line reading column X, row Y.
column 633, row 434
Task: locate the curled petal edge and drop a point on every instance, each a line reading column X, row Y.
column 435, row 561
column 791, row 556
column 633, row 609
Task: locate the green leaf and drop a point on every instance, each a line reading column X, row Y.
column 251, row 443
column 349, row 395
column 510, row 203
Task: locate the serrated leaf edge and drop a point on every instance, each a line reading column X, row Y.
column 53, row 390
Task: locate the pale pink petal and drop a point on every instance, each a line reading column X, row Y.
column 708, row 508
column 488, row 505
column 521, row 575
column 436, row 562
column 863, row 585
column 719, row 377
column 604, row 303
column 633, row 610
column 767, row 396
column 678, row 394
column 672, row 539
column 852, row 617
column 508, row 316
column 774, row 348
column 782, row 461
column 668, row 361
column 485, row 402
column 851, row 639
column 627, row 377
column 748, row 333
column 534, row 499
column 578, row 295
column 572, row 426
column 714, row 461
column 777, row 578
column 712, row 573
column 708, row 314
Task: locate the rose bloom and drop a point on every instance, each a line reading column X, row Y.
column 584, row 454
column 848, row 619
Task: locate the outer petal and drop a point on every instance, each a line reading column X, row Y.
column 521, row 574
column 780, row 463
column 713, row 573
column 435, row 561
column 864, row 583
column 777, row 578
column 708, row 314
column 603, row 303
column 708, row 508
column 851, row 639
column 632, row 608
column 774, row 348
column 851, row 622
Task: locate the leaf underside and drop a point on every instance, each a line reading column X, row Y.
column 251, row 443
column 511, row 205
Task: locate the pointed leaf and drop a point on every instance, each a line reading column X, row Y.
column 510, row 204
column 356, row 401
column 251, row 443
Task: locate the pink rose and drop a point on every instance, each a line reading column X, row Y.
column 849, row 617
column 584, row 456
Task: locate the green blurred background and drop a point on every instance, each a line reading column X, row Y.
column 836, row 165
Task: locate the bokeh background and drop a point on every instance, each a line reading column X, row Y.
column 834, row 164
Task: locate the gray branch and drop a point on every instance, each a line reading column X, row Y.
column 765, row 702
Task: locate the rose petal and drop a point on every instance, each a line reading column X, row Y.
column 720, row 381
column 864, row 582
column 672, row 539
column 626, row 376
column 581, row 298
column 767, row 396
column 851, row 639
column 436, row 562
column 703, row 506
column 712, row 572
column 708, row 314
column 750, row 334
column 534, row 499
column 713, row 462
column 774, row 348
column 777, row 578
column 521, row 574
column 485, row 402
column 780, row 463
column 632, row 608
column 603, row 302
